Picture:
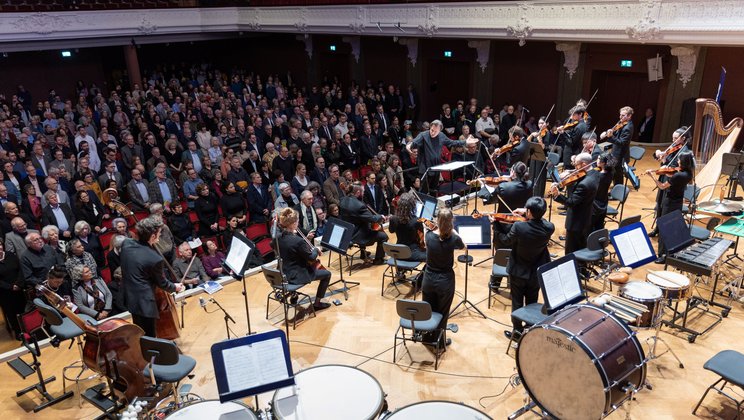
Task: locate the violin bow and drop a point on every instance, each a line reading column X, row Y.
column 591, row 99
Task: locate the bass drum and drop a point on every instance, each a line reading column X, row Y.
column 213, row 409
column 577, row 362
column 437, row 410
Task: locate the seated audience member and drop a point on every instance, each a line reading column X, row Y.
column 78, row 256
column 180, row 224
column 90, row 293
column 212, row 260
column 286, row 198
column 113, row 258
column 192, row 276
column 58, row 214
column 37, row 260
column 15, row 240
column 86, row 210
column 90, row 241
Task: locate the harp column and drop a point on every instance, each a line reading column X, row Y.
column 685, row 77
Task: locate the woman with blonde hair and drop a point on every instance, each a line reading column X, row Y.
column 439, row 278
column 298, row 257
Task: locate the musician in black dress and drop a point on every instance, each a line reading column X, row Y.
column 513, row 194
column 439, row 277
column 407, row 228
column 529, row 249
column 298, row 257
column 354, row 211
column 571, row 133
column 142, row 270
column 674, row 191
column 579, row 202
column 670, row 160
column 538, row 174
column 620, row 137
column 605, row 166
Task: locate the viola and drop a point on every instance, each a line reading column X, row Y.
column 501, row 217
column 112, row 348
column 488, row 180
column 568, row 125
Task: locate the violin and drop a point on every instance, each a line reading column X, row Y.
column 568, row 125
column 585, row 117
column 431, row 225
column 667, row 170
column 620, row 124
column 673, row 148
column 488, row 180
column 575, row 175
column 501, row 217
column 507, row 147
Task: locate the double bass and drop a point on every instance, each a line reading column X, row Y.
column 167, row 325
column 112, row 348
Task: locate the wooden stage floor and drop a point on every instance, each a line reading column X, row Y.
column 475, row 369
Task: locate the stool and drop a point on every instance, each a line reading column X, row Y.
column 531, row 314
column 729, row 365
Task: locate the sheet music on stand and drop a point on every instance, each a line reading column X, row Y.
column 632, row 245
column 559, row 281
column 238, row 254
column 451, row 166
column 252, row 365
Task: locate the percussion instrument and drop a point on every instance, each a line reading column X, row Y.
column 359, row 391
column 580, row 363
column 213, row 409
column 627, row 270
column 674, row 286
column 625, row 309
column 436, row 410
column 648, row 295
column 618, row 277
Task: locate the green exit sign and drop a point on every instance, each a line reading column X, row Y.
column 626, row 63
column 448, row 54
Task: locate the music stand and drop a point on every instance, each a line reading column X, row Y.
column 732, row 165
column 337, row 238
column 476, row 234
column 251, row 365
column 237, row 260
column 632, row 245
column 449, row 167
column 560, row 283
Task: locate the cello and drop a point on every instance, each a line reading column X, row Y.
column 317, row 265
column 112, row 348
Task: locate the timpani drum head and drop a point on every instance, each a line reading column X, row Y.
column 330, row 392
column 213, row 409
column 437, row 410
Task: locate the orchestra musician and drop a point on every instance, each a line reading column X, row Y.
column 353, row 210
column 298, row 258
column 439, row 278
column 674, row 191
column 579, row 202
column 429, row 145
column 537, row 173
column 669, row 158
column 605, row 166
column 620, row 136
column 520, row 152
column 513, row 194
column 571, row 132
column 142, row 270
column 529, row 249
column 407, row 228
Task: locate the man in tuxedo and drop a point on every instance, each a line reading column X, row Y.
column 308, row 218
column 325, row 131
column 349, row 153
column 259, row 200
column 620, row 140
column 529, row 249
column 59, row 215
column 353, row 210
column 373, row 196
column 579, row 203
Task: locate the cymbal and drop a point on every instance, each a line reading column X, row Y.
column 721, row 206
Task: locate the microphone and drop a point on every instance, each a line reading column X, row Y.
column 524, row 108
column 203, row 303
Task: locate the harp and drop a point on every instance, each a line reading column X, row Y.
column 710, row 140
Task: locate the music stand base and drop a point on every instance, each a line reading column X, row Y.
column 346, row 283
column 467, row 259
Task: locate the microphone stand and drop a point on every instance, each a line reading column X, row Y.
column 245, row 295
column 227, row 317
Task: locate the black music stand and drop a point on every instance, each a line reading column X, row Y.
column 455, row 187
column 238, row 260
column 732, row 165
column 476, row 234
column 337, row 238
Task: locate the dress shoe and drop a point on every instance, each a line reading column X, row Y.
column 508, row 334
column 561, row 213
column 654, row 233
column 319, row 306
column 562, row 238
column 661, row 259
column 447, row 342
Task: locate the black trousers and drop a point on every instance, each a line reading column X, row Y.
column 575, row 240
column 378, row 237
column 147, row 324
column 618, row 174
column 13, row 304
column 324, row 276
column 430, row 184
column 439, row 290
column 523, row 292
column 598, row 221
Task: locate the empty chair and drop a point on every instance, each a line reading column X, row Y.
column 636, row 153
column 729, row 365
column 397, row 266
column 165, row 364
column 620, row 193
column 529, row 315
column 594, row 253
column 629, row 221
column 702, row 233
column 418, row 318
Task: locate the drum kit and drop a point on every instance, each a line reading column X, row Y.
column 594, row 346
column 329, row 392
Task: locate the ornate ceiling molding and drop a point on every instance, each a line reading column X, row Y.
column 667, row 22
column 571, row 51
column 686, row 61
column 483, row 48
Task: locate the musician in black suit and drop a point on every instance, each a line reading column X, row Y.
column 259, row 200
column 579, row 203
column 529, row 249
column 605, row 166
column 620, row 137
column 513, row 194
column 521, row 152
column 298, row 257
column 674, row 192
column 373, row 195
column 670, row 160
column 353, row 210
column 142, row 271
column 572, row 136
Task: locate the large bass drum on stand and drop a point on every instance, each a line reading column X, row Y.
column 581, row 363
